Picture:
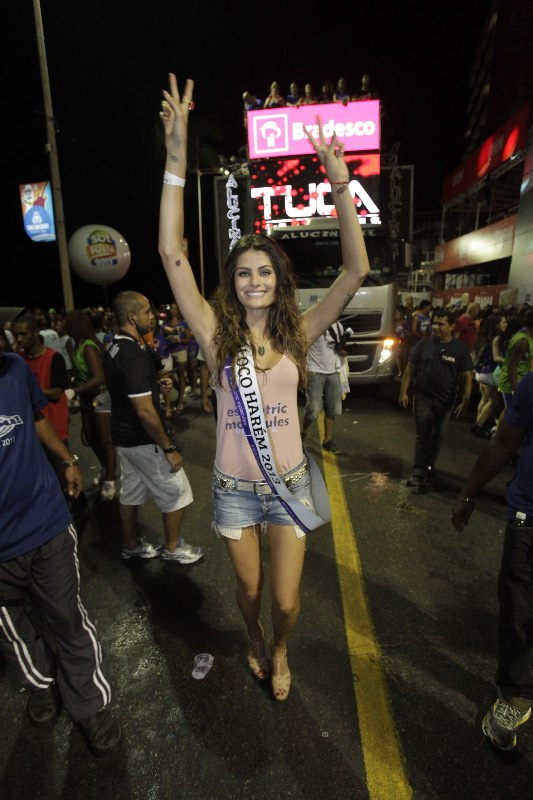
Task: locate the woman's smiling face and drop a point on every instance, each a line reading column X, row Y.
column 255, row 280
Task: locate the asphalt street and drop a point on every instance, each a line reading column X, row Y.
column 415, row 687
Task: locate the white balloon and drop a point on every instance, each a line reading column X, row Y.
column 99, row 254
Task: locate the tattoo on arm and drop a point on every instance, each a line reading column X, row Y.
column 178, row 262
column 173, row 158
column 346, row 302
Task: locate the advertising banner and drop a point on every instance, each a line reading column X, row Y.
column 293, row 191
column 38, row 211
column 497, row 295
column 498, row 148
column 478, row 247
column 281, row 131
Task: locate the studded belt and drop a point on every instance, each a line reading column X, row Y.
column 259, row 487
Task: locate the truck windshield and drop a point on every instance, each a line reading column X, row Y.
column 316, row 257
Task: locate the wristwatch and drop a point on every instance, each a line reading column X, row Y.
column 170, row 449
column 75, row 460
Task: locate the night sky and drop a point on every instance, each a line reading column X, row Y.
column 108, row 61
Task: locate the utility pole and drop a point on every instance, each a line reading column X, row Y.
column 51, row 149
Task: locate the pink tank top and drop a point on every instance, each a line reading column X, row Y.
column 279, row 390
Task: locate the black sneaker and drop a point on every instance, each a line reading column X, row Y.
column 331, row 447
column 102, row 732
column 500, row 723
column 44, row 705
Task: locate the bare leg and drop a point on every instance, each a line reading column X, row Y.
column 192, row 373
column 489, row 409
column 102, row 423
column 90, row 435
column 128, row 518
column 172, row 523
column 328, row 427
column 181, row 386
column 245, row 556
column 166, row 395
column 286, row 564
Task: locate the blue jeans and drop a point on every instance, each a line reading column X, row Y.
column 431, row 420
column 324, row 391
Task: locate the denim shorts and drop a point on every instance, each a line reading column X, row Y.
column 236, row 509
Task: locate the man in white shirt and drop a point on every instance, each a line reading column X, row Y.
column 324, row 388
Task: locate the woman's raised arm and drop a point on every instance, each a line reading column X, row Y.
column 355, row 259
column 196, row 310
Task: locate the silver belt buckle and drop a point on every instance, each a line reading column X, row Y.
column 298, row 475
column 262, row 488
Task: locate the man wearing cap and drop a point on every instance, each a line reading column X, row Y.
column 39, row 560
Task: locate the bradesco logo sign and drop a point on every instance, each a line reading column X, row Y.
column 281, row 132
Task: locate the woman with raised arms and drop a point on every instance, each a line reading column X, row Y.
column 253, row 328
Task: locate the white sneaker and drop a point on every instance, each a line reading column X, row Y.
column 141, row 550
column 501, row 721
column 183, row 554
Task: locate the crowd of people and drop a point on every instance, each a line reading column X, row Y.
column 252, row 345
column 499, row 341
column 329, row 93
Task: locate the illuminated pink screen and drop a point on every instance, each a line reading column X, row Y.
column 280, row 131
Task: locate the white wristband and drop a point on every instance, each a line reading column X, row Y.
column 173, row 180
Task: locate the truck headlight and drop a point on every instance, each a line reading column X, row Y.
column 387, row 351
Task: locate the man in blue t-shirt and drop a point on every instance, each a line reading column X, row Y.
column 440, row 363
column 38, row 558
column 514, row 677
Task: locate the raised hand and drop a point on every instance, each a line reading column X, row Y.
column 175, row 114
column 331, row 155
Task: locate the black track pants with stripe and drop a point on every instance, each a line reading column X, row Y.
column 49, row 578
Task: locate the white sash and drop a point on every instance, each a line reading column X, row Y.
column 249, row 404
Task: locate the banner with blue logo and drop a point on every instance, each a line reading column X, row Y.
column 38, row 211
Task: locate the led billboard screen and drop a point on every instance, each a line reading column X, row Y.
column 292, row 191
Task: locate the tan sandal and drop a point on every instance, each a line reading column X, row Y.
column 281, row 682
column 257, row 660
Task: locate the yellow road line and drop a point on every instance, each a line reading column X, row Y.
column 385, row 773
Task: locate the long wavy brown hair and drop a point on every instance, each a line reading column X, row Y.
column 285, row 320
